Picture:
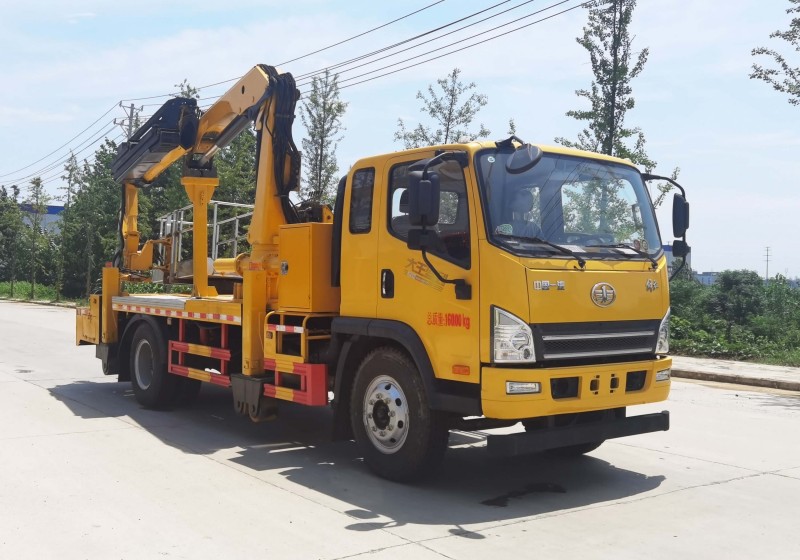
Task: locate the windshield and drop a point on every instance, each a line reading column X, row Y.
column 595, row 208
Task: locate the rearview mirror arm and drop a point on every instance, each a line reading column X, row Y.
column 463, row 290
column 651, row 177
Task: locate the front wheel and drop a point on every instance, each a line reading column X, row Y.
column 401, row 438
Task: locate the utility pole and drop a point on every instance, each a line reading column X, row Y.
column 766, row 258
column 127, row 124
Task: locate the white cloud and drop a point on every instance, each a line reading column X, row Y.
column 77, row 18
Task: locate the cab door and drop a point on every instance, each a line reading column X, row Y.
column 409, row 290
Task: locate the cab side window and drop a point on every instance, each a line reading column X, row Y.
column 453, row 227
column 361, row 200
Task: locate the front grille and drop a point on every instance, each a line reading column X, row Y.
column 564, row 341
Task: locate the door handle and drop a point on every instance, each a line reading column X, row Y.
column 387, row 283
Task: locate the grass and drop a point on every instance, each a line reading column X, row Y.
column 22, row 291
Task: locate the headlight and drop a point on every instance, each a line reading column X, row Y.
column 662, row 346
column 512, row 338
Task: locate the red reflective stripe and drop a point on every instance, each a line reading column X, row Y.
column 284, row 328
column 180, row 314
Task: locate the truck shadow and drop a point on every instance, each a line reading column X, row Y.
column 296, row 450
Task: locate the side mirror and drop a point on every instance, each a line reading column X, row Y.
column 524, row 158
column 680, row 215
column 423, row 199
column 680, row 248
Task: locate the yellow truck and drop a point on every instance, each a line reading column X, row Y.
column 466, row 286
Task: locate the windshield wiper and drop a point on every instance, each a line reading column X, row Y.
column 559, row 248
column 632, row 248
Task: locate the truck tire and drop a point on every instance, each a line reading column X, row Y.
column 153, row 385
column 401, row 438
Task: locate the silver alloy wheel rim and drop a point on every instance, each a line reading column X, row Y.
column 385, row 412
column 143, row 360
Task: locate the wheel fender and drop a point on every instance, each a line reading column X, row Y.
column 366, row 333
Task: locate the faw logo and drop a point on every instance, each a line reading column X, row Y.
column 603, row 294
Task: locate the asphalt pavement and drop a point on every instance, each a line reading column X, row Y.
column 88, row 474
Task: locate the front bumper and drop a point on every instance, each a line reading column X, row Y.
column 597, row 387
column 533, row 442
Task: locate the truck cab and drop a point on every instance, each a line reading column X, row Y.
column 540, row 293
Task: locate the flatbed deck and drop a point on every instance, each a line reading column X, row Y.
column 222, row 309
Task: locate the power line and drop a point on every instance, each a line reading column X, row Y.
column 303, row 79
column 59, row 174
column 50, row 167
column 456, row 50
column 421, row 35
column 303, row 56
column 219, row 83
column 127, row 123
column 61, row 146
column 465, row 39
column 365, row 33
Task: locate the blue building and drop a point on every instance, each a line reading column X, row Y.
column 706, row 278
column 51, row 220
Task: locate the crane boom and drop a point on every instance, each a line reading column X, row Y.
column 263, row 97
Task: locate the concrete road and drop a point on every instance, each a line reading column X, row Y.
column 86, row 473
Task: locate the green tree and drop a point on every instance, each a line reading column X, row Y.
column 737, row 298
column 236, row 165
column 90, row 230
column 614, row 65
column 512, row 127
column 321, row 114
column 185, row 89
column 11, row 230
column 783, row 76
column 71, row 178
column 450, row 114
column 36, row 208
column 663, row 188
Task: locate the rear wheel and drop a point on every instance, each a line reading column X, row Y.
column 401, row 438
column 153, row 386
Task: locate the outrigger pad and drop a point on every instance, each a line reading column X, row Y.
column 247, row 393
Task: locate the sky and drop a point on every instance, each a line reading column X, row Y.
column 66, row 66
